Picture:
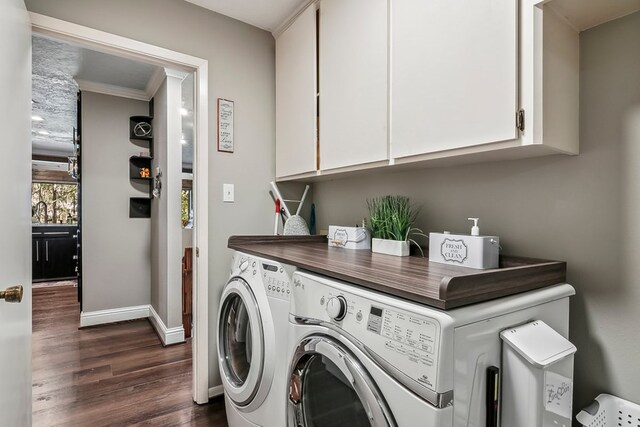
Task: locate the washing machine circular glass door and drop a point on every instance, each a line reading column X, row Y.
column 330, row 387
column 240, row 342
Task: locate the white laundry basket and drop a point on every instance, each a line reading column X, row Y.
column 610, row 411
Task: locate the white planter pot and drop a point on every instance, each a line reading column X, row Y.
column 390, row 247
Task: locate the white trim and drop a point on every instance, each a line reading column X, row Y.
column 175, row 73
column 136, row 50
column 100, row 317
column 107, row 89
column 154, row 82
column 216, row 391
column 291, row 18
column 168, row 336
column 201, row 237
column 113, row 44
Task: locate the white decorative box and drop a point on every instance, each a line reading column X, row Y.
column 481, row 252
column 349, row 237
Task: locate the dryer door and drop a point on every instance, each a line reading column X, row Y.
column 240, row 342
column 330, row 387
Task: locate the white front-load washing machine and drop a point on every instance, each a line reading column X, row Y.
column 363, row 358
column 251, row 338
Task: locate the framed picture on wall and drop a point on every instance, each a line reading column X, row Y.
column 225, row 125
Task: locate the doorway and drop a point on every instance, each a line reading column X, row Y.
column 130, row 49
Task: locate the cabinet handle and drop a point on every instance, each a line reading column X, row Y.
column 46, row 254
column 37, row 251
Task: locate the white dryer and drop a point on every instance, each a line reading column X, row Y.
column 362, row 358
column 252, row 337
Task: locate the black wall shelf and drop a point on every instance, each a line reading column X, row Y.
column 141, row 134
column 136, row 163
column 139, row 207
column 140, row 128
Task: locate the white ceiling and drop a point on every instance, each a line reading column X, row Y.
column 585, row 14
column 265, row 14
column 58, row 66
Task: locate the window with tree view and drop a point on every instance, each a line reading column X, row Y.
column 54, row 203
column 187, row 210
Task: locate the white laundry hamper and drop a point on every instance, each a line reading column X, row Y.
column 610, row 411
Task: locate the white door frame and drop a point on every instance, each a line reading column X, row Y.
column 133, row 49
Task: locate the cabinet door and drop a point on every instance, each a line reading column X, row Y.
column 296, row 76
column 37, row 256
column 454, row 74
column 353, row 82
column 59, row 262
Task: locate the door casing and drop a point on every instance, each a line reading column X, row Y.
column 136, row 50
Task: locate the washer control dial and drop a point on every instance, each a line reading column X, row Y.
column 337, row 307
column 244, row 265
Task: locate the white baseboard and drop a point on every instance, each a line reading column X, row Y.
column 216, row 391
column 92, row 318
column 168, row 336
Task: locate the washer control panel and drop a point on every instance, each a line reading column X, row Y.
column 276, row 279
column 407, row 341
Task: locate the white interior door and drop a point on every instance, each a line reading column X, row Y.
column 453, row 74
column 15, row 208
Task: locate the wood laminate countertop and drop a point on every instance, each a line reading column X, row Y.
column 413, row 278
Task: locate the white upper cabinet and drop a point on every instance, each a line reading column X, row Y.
column 454, row 74
column 353, row 87
column 296, row 148
column 417, row 81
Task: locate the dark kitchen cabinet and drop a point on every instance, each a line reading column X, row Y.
column 36, row 272
column 55, row 250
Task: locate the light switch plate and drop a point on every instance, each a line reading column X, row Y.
column 228, row 193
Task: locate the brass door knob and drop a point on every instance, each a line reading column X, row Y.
column 12, row 294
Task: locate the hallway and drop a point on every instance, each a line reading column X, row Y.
column 108, row 375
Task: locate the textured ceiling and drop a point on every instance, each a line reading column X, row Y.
column 54, row 96
column 56, row 66
column 265, row 14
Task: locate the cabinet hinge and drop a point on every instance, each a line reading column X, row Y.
column 197, row 252
column 520, row 120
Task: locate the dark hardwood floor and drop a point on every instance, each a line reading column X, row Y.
column 112, row 375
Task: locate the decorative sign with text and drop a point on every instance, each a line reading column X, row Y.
column 225, row 125
column 454, row 250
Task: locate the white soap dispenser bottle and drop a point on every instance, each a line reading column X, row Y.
column 475, row 230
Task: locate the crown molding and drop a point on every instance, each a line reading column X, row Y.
column 154, row 82
column 289, row 20
column 175, row 73
column 107, row 89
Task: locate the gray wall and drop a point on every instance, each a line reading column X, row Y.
column 241, row 68
column 116, row 250
column 584, row 209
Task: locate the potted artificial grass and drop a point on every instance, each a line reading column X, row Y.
column 391, row 220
